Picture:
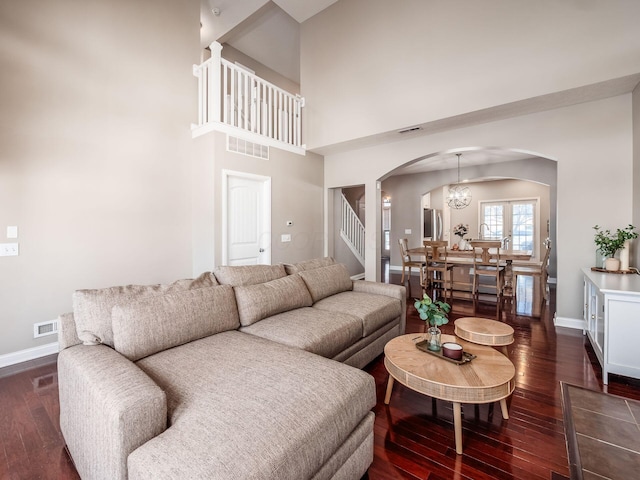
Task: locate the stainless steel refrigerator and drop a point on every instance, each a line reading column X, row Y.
column 432, row 219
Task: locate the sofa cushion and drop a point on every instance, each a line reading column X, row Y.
column 308, row 265
column 92, row 308
column 248, row 274
column 240, row 406
column 373, row 310
column 326, row 281
column 322, row 332
column 153, row 324
column 256, row 302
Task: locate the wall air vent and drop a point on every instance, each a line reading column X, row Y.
column 238, row 145
column 45, row 328
column 410, row 129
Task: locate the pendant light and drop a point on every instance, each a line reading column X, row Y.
column 459, row 196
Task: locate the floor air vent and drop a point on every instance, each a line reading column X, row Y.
column 238, row 145
column 43, row 329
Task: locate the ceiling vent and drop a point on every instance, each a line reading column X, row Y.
column 410, row 129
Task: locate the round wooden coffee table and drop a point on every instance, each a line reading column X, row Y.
column 487, row 378
column 484, row 332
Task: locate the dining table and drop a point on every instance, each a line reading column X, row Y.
column 466, row 256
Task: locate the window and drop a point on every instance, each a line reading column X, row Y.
column 512, row 219
column 386, row 224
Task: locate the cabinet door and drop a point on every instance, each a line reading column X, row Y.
column 594, row 318
column 599, row 326
column 586, row 286
column 623, row 334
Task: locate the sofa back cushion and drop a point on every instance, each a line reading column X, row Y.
column 248, row 274
column 92, row 308
column 308, row 265
column 154, row 324
column 263, row 300
column 325, row 281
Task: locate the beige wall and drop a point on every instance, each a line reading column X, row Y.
column 297, row 195
column 231, row 54
column 592, row 143
column 97, row 98
column 635, row 250
column 371, row 66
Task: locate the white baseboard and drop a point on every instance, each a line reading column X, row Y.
column 395, row 268
column 28, row 354
column 567, row 322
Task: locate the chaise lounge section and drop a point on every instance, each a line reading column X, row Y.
column 229, row 376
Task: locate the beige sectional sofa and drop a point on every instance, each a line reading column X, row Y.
column 243, row 373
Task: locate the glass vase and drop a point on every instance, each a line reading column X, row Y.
column 600, row 259
column 433, row 339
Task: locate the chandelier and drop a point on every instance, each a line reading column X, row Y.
column 459, row 196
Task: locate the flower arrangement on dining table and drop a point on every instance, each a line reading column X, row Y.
column 461, row 230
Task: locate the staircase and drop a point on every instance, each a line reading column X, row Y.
column 352, row 231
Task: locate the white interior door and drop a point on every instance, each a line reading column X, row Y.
column 247, row 219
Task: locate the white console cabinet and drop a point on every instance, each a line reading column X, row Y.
column 612, row 321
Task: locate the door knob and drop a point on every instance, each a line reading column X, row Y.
column 261, row 250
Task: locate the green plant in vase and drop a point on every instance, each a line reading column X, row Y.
column 608, row 243
column 434, row 313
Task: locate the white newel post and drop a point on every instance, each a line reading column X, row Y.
column 213, row 95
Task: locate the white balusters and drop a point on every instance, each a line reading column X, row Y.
column 352, row 230
column 231, row 95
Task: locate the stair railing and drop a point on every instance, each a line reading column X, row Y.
column 352, row 230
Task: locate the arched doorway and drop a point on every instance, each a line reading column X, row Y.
column 495, row 174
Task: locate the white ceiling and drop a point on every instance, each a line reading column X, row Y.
column 469, row 157
column 267, row 31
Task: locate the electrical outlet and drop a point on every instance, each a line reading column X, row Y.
column 285, row 237
column 9, row 250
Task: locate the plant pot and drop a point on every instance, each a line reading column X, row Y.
column 612, row 264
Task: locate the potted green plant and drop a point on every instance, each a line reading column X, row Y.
column 434, row 313
column 609, row 243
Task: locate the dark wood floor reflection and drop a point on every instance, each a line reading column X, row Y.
column 413, row 436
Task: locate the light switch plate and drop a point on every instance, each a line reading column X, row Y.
column 9, row 250
column 12, row 232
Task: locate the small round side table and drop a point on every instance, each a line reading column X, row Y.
column 484, row 332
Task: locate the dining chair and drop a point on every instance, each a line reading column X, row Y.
column 486, row 263
column 408, row 263
column 540, row 270
column 438, row 271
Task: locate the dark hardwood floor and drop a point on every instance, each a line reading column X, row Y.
column 413, row 435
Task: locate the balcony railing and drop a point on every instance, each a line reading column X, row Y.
column 235, row 101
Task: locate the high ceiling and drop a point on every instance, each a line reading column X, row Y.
column 267, row 31
column 468, row 157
